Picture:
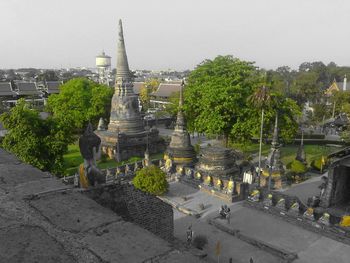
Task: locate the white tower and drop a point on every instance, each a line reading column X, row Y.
column 103, row 65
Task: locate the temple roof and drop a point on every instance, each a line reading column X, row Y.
column 166, row 89
column 336, row 86
column 6, row 89
column 52, row 87
column 137, row 87
column 27, row 88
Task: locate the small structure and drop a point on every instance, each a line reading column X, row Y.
column 103, row 65
column 180, row 149
column 218, row 173
column 273, row 173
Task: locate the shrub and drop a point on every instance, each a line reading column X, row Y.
column 297, row 167
column 104, row 158
column 200, row 241
column 316, row 164
column 152, row 180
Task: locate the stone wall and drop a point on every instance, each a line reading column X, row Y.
column 133, row 205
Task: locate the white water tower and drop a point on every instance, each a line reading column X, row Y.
column 103, row 65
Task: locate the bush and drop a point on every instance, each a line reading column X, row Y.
column 200, row 241
column 297, row 167
column 104, row 158
column 152, row 180
column 316, row 164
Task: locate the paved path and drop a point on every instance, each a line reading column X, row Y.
column 310, row 246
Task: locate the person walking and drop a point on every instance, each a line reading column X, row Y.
column 189, row 235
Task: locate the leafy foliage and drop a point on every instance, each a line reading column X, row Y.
column 80, row 101
column 216, row 95
column 148, row 87
column 297, row 167
column 319, row 163
column 38, row 142
column 152, row 180
column 221, row 98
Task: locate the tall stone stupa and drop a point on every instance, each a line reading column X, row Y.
column 126, row 136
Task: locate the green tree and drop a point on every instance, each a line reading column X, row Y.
column 262, row 99
column 173, row 107
column 80, row 101
column 306, row 87
column 217, row 93
column 35, row 141
column 151, row 179
column 144, row 97
column 152, row 84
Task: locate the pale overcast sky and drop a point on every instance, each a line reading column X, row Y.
column 173, row 34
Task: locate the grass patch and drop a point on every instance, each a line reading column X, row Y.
column 288, row 152
column 73, row 158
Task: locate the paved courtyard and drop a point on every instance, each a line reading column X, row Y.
column 309, row 246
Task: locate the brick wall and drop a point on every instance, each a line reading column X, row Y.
column 133, row 205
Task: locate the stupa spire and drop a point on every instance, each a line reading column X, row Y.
column 275, row 133
column 123, row 70
column 180, row 119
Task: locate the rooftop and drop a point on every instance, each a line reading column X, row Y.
column 43, row 220
column 166, row 89
column 27, row 88
column 6, row 89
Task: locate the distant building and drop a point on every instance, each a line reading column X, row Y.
column 161, row 96
column 52, row 87
column 338, row 86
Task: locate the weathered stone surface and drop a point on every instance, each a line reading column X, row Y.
column 141, row 208
column 73, row 211
column 30, row 244
column 125, row 242
column 217, row 161
column 39, row 222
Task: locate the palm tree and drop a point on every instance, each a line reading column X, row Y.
column 262, row 99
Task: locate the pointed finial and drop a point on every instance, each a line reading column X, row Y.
column 123, row 71
column 275, row 132
column 302, row 137
column 181, row 99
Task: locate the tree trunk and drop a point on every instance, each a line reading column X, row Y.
column 260, row 145
column 226, row 139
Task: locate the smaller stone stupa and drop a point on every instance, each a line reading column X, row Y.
column 274, row 165
column 218, row 173
column 180, row 150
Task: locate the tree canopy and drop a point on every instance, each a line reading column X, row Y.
column 217, row 93
column 80, row 101
column 217, row 101
column 35, row 141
